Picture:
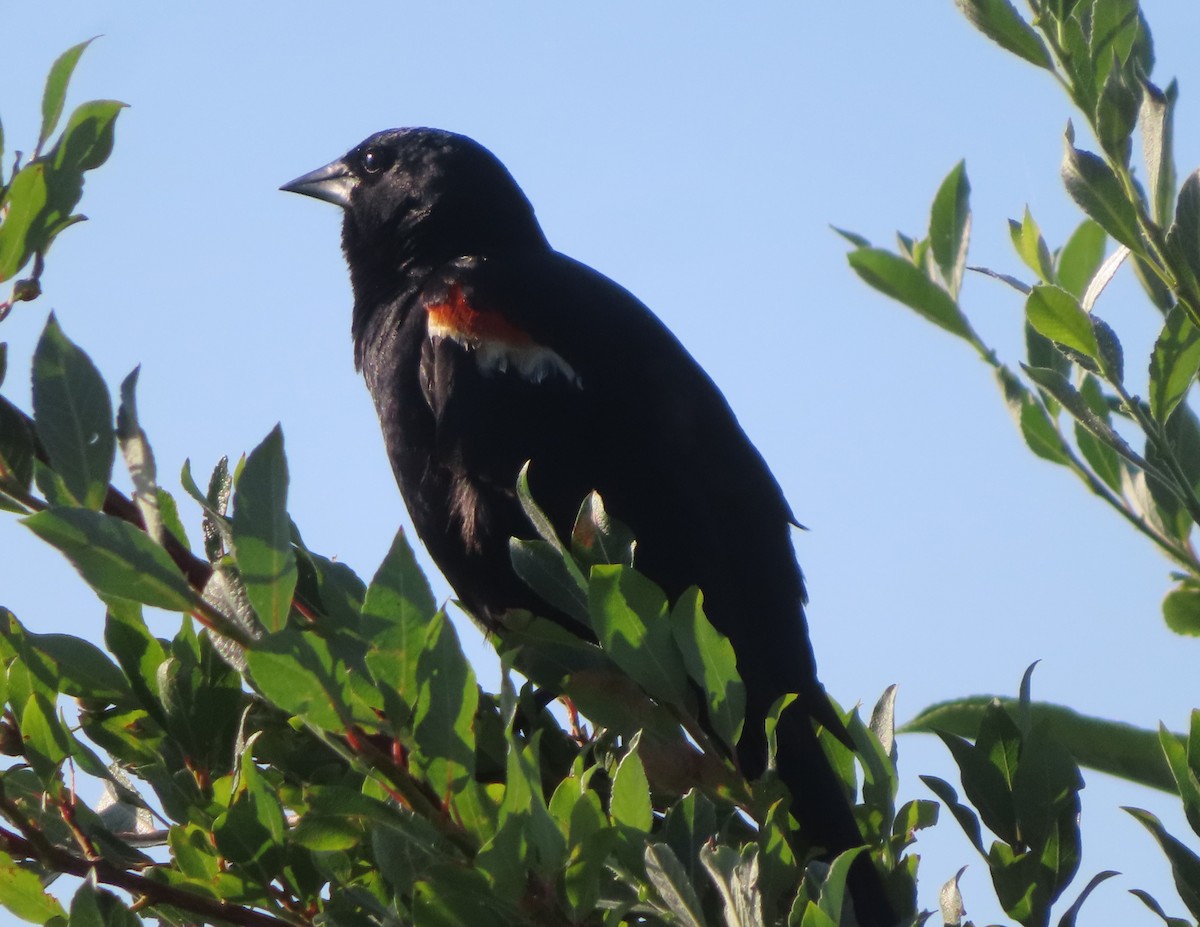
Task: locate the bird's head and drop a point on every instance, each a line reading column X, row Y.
column 415, row 198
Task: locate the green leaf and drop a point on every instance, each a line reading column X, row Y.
column 674, row 885
column 459, row 897
column 630, row 804
column 1154, row 906
column 1185, row 865
column 1101, row 458
column 1000, row 22
column 548, row 570
column 87, row 141
column 81, row 669
column 46, row 743
column 629, row 615
column 1172, row 481
column 114, row 558
column 1056, row 315
column 853, row 237
column 736, row 878
column 833, row 890
column 55, row 92
column 262, row 536
column 1037, row 427
column 202, row 701
column 1046, row 784
column 21, row 892
column 1182, row 760
column 598, row 537
column 138, row 652
column 950, row 226
column 446, row 702
column 16, row 447
column 711, row 662
column 73, row 416
column 908, row 284
column 1157, row 121
column 1061, row 389
column 1116, row 114
column 1173, row 363
column 1072, row 913
column 1106, row 746
column 25, row 199
column 397, row 612
column 1081, row 257
column 251, row 833
column 1114, row 32
column 985, row 786
column 94, row 907
column 1031, row 246
column 85, row 144
column 1096, row 189
column 1183, row 239
column 1181, row 609
column 297, row 672
column 406, row 847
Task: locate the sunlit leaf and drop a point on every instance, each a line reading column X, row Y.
column 262, row 537
column 73, row 415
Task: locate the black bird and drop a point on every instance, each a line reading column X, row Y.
column 483, row 348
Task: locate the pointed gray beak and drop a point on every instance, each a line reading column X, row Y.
column 332, row 183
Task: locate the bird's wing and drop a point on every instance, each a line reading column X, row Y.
column 537, row 357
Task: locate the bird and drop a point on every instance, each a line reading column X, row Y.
column 484, row 348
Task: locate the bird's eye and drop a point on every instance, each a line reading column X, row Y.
column 375, row 160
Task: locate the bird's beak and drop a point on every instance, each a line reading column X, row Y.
column 332, row 183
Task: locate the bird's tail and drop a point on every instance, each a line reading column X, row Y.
column 819, row 803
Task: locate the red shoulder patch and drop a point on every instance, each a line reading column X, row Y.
column 498, row 345
column 455, row 317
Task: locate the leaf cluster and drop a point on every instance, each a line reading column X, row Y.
column 38, row 198
column 310, row 747
column 1074, row 407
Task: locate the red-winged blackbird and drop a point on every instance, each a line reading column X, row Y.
column 483, row 348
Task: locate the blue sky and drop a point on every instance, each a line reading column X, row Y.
column 697, row 154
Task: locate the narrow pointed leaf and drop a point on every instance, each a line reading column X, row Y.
column 1185, row 865
column 1173, row 364
column 950, row 226
column 114, row 558
column 25, row 200
column 1061, row 389
column 262, row 536
column 1081, row 257
column 711, row 662
column 908, row 284
column 1092, row 184
column 1157, row 121
column 55, row 92
column 1000, row 22
column 1031, row 246
column 674, row 885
